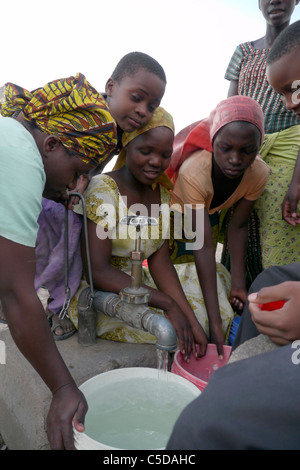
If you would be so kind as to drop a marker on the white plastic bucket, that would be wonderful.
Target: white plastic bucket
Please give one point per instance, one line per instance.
(133, 383)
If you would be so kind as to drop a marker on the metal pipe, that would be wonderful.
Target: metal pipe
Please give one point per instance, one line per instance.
(86, 312)
(138, 316)
(86, 319)
(162, 329)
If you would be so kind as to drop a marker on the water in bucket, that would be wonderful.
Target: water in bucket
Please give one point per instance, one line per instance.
(138, 409)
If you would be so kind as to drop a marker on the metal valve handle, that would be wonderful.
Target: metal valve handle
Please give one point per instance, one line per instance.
(138, 220)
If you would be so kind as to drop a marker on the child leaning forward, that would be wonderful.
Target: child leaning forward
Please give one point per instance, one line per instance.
(216, 165)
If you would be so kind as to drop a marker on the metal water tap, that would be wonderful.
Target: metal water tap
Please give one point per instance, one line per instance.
(131, 304)
(136, 293)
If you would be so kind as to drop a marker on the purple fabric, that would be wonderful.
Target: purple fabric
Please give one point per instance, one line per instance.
(50, 252)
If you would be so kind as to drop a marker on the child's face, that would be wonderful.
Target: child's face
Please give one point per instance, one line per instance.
(133, 100)
(149, 154)
(235, 148)
(283, 76)
(277, 12)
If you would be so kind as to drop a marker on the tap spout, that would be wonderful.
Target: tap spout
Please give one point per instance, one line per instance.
(138, 316)
(162, 329)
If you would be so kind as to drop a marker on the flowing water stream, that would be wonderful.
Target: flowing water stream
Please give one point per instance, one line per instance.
(162, 360)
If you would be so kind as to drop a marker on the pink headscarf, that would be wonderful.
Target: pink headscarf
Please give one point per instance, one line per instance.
(200, 135)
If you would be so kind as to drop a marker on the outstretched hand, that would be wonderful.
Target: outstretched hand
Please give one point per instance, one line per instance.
(200, 340)
(238, 298)
(70, 202)
(183, 330)
(189, 336)
(289, 205)
(217, 338)
(68, 406)
(82, 184)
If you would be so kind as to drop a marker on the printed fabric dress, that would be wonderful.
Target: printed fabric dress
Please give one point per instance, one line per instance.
(105, 206)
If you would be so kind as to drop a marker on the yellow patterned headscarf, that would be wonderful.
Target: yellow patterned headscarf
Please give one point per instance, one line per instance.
(69, 108)
(160, 118)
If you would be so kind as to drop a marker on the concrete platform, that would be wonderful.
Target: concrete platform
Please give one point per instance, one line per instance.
(25, 399)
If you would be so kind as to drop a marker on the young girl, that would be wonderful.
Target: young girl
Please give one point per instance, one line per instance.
(216, 166)
(148, 153)
(132, 93)
(279, 234)
(46, 147)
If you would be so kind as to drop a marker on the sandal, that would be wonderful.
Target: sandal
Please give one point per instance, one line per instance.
(62, 324)
(56, 322)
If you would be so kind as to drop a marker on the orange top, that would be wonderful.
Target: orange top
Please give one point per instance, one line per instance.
(194, 184)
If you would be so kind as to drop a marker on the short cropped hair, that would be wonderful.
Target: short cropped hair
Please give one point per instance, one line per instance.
(287, 40)
(132, 62)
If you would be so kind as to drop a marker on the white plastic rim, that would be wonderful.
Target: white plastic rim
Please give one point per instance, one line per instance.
(82, 440)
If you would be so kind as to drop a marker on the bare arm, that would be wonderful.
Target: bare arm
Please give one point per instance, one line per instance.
(233, 88)
(30, 330)
(206, 269)
(167, 281)
(237, 240)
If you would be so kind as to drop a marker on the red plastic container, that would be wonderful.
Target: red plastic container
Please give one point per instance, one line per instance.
(272, 305)
(199, 371)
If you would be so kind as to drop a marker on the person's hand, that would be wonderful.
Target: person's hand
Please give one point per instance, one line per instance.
(81, 186)
(183, 330)
(200, 340)
(289, 205)
(238, 298)
(70, 202)
(68, 406)
(216, 337)
(282, 325)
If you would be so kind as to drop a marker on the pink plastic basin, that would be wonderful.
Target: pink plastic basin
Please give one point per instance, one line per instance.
(199, 371)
